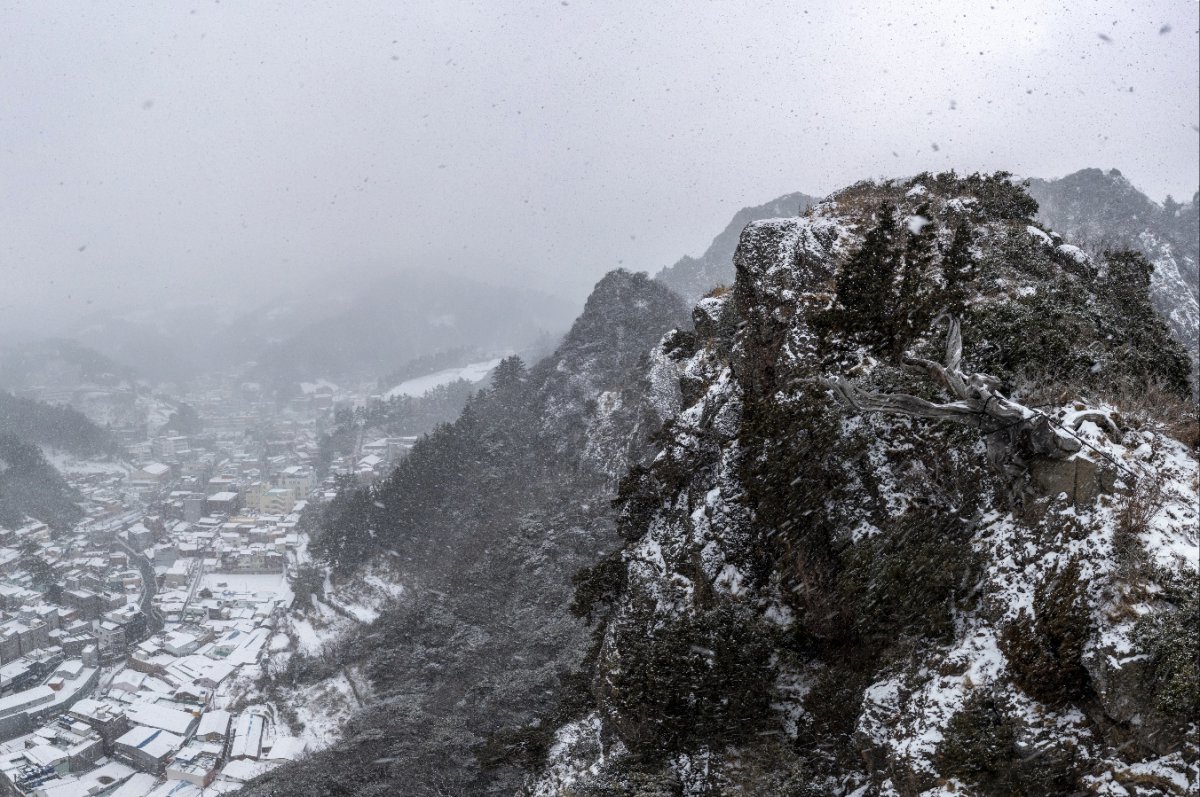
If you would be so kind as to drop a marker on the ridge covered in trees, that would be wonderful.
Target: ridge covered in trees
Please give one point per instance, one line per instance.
(55, 426)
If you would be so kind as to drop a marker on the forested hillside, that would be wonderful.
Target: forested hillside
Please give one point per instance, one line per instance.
(403, 416)
(55, 426)
(31, 487)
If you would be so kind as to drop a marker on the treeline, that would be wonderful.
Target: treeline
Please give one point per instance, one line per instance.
(399, 416)
(60, 427)
(30, 486)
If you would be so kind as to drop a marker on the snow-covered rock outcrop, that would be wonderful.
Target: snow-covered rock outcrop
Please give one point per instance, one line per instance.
(817, 601)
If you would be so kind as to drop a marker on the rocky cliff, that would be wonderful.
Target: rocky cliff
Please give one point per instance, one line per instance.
(693, 277)
(814, 598)
(1095, 210)
(1103, 210)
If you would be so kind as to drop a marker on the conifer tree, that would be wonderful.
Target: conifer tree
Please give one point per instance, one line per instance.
(509, 374)
(864, 284)
(958, 266)
(911, 308)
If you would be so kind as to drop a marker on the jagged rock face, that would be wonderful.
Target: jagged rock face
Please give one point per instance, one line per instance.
(1101, 210)
(692, 277)
(592, 387)
(816, 602)
(1093, 209)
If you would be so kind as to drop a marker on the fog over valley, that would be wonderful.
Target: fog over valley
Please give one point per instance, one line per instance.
(567, 398)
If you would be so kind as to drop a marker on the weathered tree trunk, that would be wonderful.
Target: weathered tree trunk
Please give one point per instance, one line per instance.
(1015, 434)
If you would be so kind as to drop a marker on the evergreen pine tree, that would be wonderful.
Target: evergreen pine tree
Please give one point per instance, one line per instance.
(509, 374)
(912, 307)
(957, 270)
(864, 284)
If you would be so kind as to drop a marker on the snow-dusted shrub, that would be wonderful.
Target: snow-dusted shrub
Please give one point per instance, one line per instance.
(1153, 405)
(907, 579)
(674, 682)
(1044, 648)
(982, 746)
(1172, 639)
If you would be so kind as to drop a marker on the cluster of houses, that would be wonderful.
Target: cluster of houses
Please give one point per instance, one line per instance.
(375, 459)
(128, 645)
(117, 662)
(123, 639)
(189, 494)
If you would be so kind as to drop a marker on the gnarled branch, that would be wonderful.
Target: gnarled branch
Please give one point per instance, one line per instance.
(1014, 431)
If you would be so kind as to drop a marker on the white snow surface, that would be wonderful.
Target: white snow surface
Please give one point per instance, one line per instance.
(419, 386)
(65, 462)
(308, 388)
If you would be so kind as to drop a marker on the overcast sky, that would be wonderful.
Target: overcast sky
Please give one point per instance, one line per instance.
(174, 151)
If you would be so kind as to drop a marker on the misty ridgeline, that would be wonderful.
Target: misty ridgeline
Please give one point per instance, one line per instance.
(887, 493)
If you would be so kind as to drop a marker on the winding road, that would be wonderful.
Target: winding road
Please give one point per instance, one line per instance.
(154, 620)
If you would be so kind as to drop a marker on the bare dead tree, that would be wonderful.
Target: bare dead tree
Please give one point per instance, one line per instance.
(1015, 433)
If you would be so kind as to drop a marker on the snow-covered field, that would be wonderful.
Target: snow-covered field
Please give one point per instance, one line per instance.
(324, 708)
(275, 583)
(69, 463)
(421, 385)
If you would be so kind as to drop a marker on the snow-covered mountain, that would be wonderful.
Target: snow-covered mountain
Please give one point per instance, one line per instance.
(362, 327)
(807, 584)
(1103, 210)
(395, 319)
(816, 597)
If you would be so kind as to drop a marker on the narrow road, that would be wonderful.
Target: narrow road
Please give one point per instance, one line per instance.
(154, 621)
(195, 583)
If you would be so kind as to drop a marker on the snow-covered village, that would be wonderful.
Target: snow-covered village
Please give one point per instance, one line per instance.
(135, 644)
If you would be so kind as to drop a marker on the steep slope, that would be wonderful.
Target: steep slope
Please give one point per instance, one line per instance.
(31, 487)
(484, 525)
(817, 599)
(55, 426)
(1103, 210)
(59, 363)
(693, 277)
